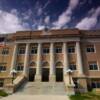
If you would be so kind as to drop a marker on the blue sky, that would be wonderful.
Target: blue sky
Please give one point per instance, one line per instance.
(16, 15)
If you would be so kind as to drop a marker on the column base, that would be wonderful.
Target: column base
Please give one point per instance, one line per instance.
(52, 78)
(37, 78)
(82, 85)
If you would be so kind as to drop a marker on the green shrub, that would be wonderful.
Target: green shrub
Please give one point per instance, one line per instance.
(3, 93)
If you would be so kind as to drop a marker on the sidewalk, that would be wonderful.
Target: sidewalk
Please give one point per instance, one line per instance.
(36, 97)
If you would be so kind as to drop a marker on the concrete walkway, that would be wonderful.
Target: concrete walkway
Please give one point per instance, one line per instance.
(36, 97)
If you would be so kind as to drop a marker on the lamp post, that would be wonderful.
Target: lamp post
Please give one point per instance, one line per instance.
(69, 71)
(13, 73)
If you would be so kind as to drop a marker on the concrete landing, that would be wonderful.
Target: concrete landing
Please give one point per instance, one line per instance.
(35, 97)
(42, 88)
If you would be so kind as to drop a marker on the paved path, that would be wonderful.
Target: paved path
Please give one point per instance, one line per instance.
(35, 97)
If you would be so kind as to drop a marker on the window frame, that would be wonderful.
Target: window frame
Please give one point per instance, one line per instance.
(3, 67)
(5, 51)
(71, 48)
(20, 66)
(91, 47)
(34, 49)
(20, 48)
(46, 49)
(92, 64)
(73, 64)
(57, 49)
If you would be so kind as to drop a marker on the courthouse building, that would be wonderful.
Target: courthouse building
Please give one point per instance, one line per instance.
(71, 56)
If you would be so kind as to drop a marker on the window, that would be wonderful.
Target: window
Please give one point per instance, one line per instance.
(72, 66)
(20, 67)
(2, 68)
(58, 50)
(21, 50)
(33, 50)
(1, 83)
(45, 50)
(90, 48)
(95, 84)
(71, 49)
(5, 51)
(93, 66)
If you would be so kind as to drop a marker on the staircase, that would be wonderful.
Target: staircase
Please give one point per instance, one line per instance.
(42, 88)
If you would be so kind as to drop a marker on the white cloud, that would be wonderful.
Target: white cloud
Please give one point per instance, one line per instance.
(10, 22)
(47, 19)
(65, 17)
(89, 22)
(41, 27)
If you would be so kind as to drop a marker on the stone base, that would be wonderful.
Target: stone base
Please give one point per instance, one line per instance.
(52, 78)
(9, 88)
(82, 85)
(70, 90)
(37, 78)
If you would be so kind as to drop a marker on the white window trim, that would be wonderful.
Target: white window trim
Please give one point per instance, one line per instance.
(98, 69)
(91, 52)
(73, 52)
(57, 52)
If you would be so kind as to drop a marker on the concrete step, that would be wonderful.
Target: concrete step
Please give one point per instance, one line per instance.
(33, 88)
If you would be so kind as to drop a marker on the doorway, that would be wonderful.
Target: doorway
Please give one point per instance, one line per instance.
(32, 72)
(59, 74)
(45, 74)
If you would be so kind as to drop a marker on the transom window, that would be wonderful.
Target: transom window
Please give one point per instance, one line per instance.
(72, 66)
(71, 49)
(2, 68)
(5, 51)
(19, 67)
(45, 50)
(90, 48)
(58, 50)
(93, 66)
(33, 50)
(21, 50)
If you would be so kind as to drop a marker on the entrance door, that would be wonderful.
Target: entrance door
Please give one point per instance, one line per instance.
(32, 72)
(59, 74)
(45, 74)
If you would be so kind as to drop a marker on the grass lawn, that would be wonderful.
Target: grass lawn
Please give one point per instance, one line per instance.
(3, 94)
(86, 96)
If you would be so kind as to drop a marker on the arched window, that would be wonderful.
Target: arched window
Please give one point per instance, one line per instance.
(59, 64)
(45, 64)
(32, 64)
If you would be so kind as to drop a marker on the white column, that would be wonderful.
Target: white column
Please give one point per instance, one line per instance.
(79, 58)
(65, 53)
(14, 57)
(38, 68)
(52, 63)
(26, 60)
